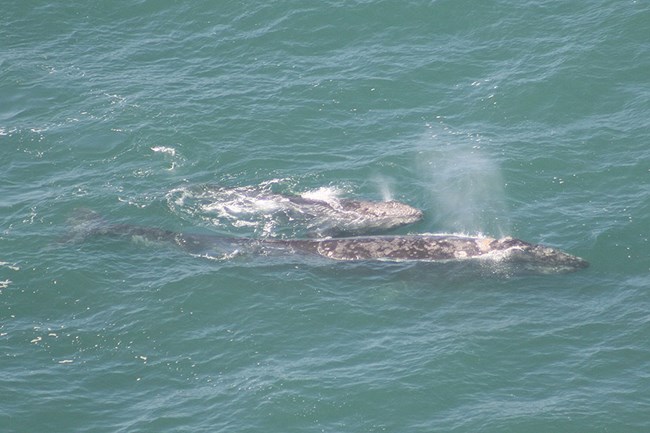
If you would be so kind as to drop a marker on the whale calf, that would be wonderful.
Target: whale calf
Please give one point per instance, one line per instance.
(316, 212)
(406, 248)
(355, 216)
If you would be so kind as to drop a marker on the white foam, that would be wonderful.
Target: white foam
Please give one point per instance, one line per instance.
(164, 149)
(10, 266)
(327, 194)
(240, 205)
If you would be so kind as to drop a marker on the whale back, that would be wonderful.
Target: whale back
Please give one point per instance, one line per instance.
(443, 248)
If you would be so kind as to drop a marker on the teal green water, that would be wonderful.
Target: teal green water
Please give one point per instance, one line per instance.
(525, 118)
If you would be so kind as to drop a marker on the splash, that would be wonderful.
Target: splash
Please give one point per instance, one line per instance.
(328, 194)
(466, 187)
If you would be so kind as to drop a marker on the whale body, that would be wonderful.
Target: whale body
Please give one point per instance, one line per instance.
(407, 248)
(348, 215)
(442, 248)
(321, 214)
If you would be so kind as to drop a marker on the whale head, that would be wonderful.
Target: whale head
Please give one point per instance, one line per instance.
(380, 214)
(539, 258)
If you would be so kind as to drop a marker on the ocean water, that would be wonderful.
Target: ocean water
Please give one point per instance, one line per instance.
(522, 118)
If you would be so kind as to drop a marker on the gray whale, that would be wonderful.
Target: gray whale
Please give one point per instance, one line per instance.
(358, 216)
(322, 215)
(407, 248)
(443, 248)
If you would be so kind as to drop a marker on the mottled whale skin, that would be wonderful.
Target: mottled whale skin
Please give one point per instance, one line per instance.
(441, 248)
(348, 215)
(408, 248)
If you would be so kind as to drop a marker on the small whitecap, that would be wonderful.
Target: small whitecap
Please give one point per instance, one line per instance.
(164, 149)
(13, 267)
